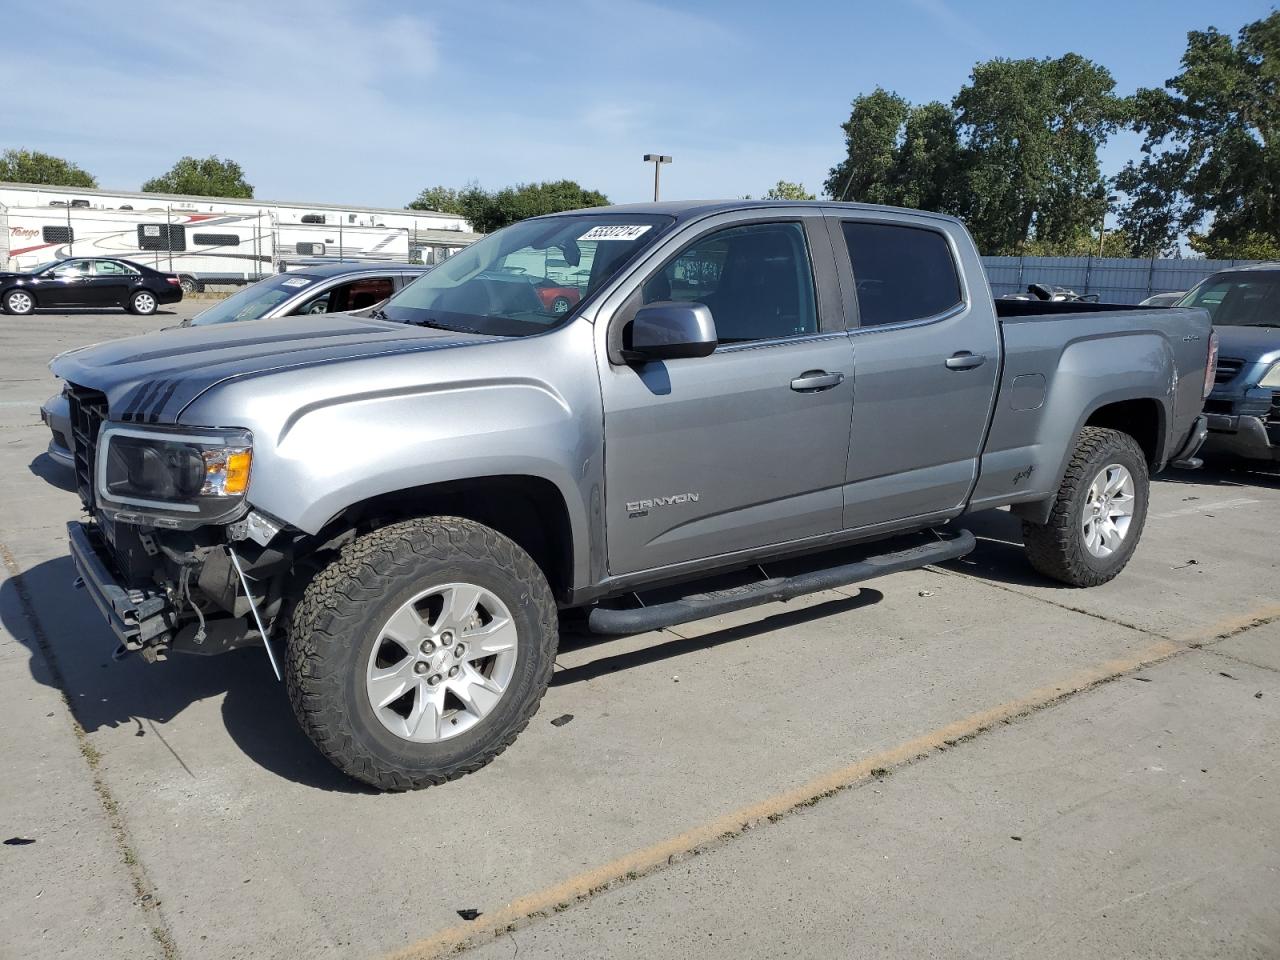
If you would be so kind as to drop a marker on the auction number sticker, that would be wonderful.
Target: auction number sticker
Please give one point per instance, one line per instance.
(625, 232)
(296, 282)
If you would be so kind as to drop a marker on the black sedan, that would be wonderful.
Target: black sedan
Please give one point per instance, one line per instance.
(89, 282)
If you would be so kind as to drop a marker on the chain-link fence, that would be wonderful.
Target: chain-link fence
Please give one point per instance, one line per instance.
(1115, 280)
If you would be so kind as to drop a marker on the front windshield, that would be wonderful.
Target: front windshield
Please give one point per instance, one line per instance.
(1238, 299)
(528, 277)
(254, 301)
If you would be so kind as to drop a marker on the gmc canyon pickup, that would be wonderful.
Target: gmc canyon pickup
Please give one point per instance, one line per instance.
(745, 402)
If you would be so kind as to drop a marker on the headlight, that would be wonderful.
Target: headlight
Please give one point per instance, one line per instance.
(173, 477)
(1271, 378)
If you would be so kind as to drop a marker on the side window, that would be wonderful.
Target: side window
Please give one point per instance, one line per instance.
(355, 295)
(901, 273)
(756, 279)
(109, 268)
(72, 268)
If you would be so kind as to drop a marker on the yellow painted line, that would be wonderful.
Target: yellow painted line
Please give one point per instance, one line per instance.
(648, 859)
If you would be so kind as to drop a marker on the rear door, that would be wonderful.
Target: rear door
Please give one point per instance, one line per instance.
(926, 357)
(747, 447)
(110, 282)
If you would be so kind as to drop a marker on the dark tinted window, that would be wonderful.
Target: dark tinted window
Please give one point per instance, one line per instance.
(902, 273)
(57, 234)
(1244, 299)
(310, 249)
(313, 218)
(162, 236)
(215, 239)
(756, 279)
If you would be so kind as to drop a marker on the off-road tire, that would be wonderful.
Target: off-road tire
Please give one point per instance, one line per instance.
(1057, 549)
(342, 610)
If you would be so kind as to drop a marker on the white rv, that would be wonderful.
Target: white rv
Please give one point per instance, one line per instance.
(211, 239)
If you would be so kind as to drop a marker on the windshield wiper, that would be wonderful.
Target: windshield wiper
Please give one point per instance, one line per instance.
(437, 325)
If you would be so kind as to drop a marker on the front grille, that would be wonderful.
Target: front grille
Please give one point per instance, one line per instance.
(1273, 415)
(1228, 369)
(88, 412)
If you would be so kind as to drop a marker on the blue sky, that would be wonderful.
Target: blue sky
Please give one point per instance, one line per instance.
(367, 102)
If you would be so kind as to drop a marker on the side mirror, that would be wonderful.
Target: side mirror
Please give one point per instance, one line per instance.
(670, 331)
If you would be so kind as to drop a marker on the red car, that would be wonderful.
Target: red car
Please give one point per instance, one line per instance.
(557, 299)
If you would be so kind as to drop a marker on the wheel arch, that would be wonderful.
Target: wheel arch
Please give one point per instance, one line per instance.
(530, 510)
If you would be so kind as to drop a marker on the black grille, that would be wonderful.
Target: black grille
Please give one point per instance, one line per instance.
(1273, 415)
(1228, 369)
(1218, 406)
(88, 411)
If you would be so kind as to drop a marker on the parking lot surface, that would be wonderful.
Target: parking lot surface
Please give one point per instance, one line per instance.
(962, 761)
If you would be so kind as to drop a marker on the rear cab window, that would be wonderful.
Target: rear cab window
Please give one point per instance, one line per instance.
(901, 273)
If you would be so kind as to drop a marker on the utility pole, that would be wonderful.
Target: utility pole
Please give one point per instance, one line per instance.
(1102, 224)
(657, 160)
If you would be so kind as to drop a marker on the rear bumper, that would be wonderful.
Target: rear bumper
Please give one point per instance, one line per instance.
(1186, 457)
(1241, 437)
(135, 615)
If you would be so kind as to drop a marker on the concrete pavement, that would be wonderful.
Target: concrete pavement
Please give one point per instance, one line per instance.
(179, 812)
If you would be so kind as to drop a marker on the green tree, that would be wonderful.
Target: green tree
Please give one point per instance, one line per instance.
(898, 154)
(1212, 145)
(438, 199)
(204, 177)
(871, 136)
(786, 190)
(1029, 132)
(31, 166)
(487, 211)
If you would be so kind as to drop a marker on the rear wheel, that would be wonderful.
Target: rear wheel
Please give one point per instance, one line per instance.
(190, 285)
(421, 652)
(19, 302)
(143, 303)
(1098, 513)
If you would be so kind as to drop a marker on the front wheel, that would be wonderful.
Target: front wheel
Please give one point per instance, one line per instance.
(142, 303)
(1098, 513)
(421, 652)
(19, 302)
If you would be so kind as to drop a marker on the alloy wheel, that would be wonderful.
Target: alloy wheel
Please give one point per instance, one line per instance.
(1108, 510)
(442, 662)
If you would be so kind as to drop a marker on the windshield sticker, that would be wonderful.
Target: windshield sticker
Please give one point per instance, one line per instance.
(628, 232)
(295, 282)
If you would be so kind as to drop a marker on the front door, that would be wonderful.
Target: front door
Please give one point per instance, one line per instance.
(926, 356)
(746, 447)
(66, 285)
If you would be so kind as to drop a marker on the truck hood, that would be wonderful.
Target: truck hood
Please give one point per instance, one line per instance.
(152, 378)
(1247, 343)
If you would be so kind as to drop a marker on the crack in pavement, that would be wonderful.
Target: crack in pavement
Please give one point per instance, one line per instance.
(145, 894)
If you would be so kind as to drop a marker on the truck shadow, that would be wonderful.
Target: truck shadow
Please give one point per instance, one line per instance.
(574, 638)
(104, 693)
(1000, 555)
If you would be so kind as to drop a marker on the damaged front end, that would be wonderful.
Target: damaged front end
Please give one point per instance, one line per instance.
(172, 555)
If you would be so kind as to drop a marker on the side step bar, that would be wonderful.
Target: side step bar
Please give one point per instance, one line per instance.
(699, 605)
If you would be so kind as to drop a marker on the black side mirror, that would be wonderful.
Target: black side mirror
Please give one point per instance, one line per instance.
(670, 331)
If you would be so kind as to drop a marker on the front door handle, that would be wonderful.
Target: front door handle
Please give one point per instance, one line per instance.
(964, 360)
(811, 381)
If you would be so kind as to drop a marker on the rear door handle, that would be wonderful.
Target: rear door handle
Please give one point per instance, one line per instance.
(964, 360)
(811, 381)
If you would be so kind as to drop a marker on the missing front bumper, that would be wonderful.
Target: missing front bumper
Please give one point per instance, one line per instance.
(142, 618)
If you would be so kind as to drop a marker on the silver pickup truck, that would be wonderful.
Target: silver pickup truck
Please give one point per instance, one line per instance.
(741, 402)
